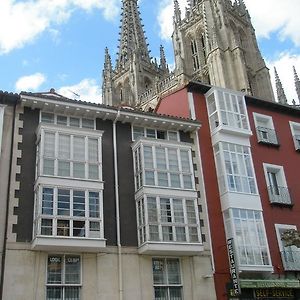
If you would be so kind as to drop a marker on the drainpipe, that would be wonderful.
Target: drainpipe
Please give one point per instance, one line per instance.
(7, 202)
(117, 206)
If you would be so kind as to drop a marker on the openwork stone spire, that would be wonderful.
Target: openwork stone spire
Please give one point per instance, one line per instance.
(107, 62)
(280, 91)
(163, 61)
(297, 83)
(132, 38)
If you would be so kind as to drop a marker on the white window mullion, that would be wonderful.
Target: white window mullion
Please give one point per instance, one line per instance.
(186, 222)
(174, 236)
(100, 162)
(56, 138)
(160, 234)
(154, 165)
(71, 217)
(86, 158)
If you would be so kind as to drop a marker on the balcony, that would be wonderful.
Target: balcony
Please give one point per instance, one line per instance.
(291, 260)
(267, 136)
(279, 195)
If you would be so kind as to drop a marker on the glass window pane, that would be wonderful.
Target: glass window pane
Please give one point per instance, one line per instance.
(94, 230)
(63, 202)
(47, 117)
(160, 158)
(72, 271)
(55, 269)
(152, 209)
(176, 293)
(159, 271)
(149, 177)
(172, 135)
(79, 148)
(162, 179)
(93, 171)
(79, 170)
(74, 122)
(175, 180)
(173, 271)
(185, 160)
(161, 293)
(46, 227)
(47, 201)
(151, 133)
(63, 168)
(79, 228)
(94, 207)
(63, 227)
(48, 168)
(187, 181)
(165, 210)
(54, 293)
(178, 211)
(72, 293)
(148, 157)
(167, 232)
(88, 123)
(79, 203)
(49, 144)
(93, 150)
(137, 132)
(64, 146)
(62, 120)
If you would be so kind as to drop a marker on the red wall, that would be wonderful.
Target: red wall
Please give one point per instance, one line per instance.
(285, 156)
(177, 105)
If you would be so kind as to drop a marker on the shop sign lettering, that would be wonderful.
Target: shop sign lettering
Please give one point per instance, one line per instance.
(233, 268)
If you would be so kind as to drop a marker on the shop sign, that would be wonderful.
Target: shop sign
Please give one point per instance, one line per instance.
(274, 293)
(233, 268)
(276, 283)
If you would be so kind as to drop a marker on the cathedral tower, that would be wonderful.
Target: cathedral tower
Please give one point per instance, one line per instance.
(215, 43)
(135, 71)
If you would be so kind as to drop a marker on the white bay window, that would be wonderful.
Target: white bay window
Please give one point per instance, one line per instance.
(164, 166)
(234, 168)
(66, 153)
(247, 229)
(68, 189)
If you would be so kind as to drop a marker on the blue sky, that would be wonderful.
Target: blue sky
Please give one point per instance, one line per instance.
(60, 43)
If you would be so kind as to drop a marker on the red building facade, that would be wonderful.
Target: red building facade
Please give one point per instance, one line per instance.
(250, 158)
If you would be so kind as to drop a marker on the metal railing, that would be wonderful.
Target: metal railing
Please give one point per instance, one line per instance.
(279, 195)
(291, 260)
(266, 135)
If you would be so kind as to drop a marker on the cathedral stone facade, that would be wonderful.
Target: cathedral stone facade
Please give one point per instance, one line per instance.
(214, 43)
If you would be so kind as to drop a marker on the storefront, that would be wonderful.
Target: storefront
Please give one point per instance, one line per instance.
(266, 290)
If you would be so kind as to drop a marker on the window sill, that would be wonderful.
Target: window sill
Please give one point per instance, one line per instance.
(173, 248)
(256, 268)
(45, 243)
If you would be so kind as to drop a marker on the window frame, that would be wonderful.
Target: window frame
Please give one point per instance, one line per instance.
(155, 133)
(68, 123)
(63, 285)
(220, 160)
(55, 216)
(234, 110)
(295, 128)
(281, 187)
(230, 228)
(58, 130)
(140, 169)
(168, 285)
(143, 229)
(271, 137)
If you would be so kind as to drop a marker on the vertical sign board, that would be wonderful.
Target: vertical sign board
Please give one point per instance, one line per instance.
(233, 268)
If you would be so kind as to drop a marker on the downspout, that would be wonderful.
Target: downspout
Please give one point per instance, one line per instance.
(117, 206)
(7, 202)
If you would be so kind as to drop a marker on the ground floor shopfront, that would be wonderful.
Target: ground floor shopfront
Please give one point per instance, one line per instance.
(267, 290)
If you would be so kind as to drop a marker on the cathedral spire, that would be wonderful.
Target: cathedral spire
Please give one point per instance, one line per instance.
(107, 62)
(163, 61)
(280, 91)
(297, 83)
(177, 12)
(132, 37)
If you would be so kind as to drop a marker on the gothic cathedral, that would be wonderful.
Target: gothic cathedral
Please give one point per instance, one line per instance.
(214, 43)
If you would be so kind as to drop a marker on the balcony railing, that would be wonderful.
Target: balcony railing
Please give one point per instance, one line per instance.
(297, 142)
(266, 135)
(279, 195)
(291, 260)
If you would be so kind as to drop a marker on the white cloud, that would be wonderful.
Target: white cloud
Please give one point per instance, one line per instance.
(284, 68)
(30, 83)
(21, 22)
(86, 90)
(276, 15)
(267, 16)
(165, 17)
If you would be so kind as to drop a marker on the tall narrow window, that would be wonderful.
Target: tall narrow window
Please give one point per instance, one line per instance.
(167, 279)
(63, 277)
(196, 64)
